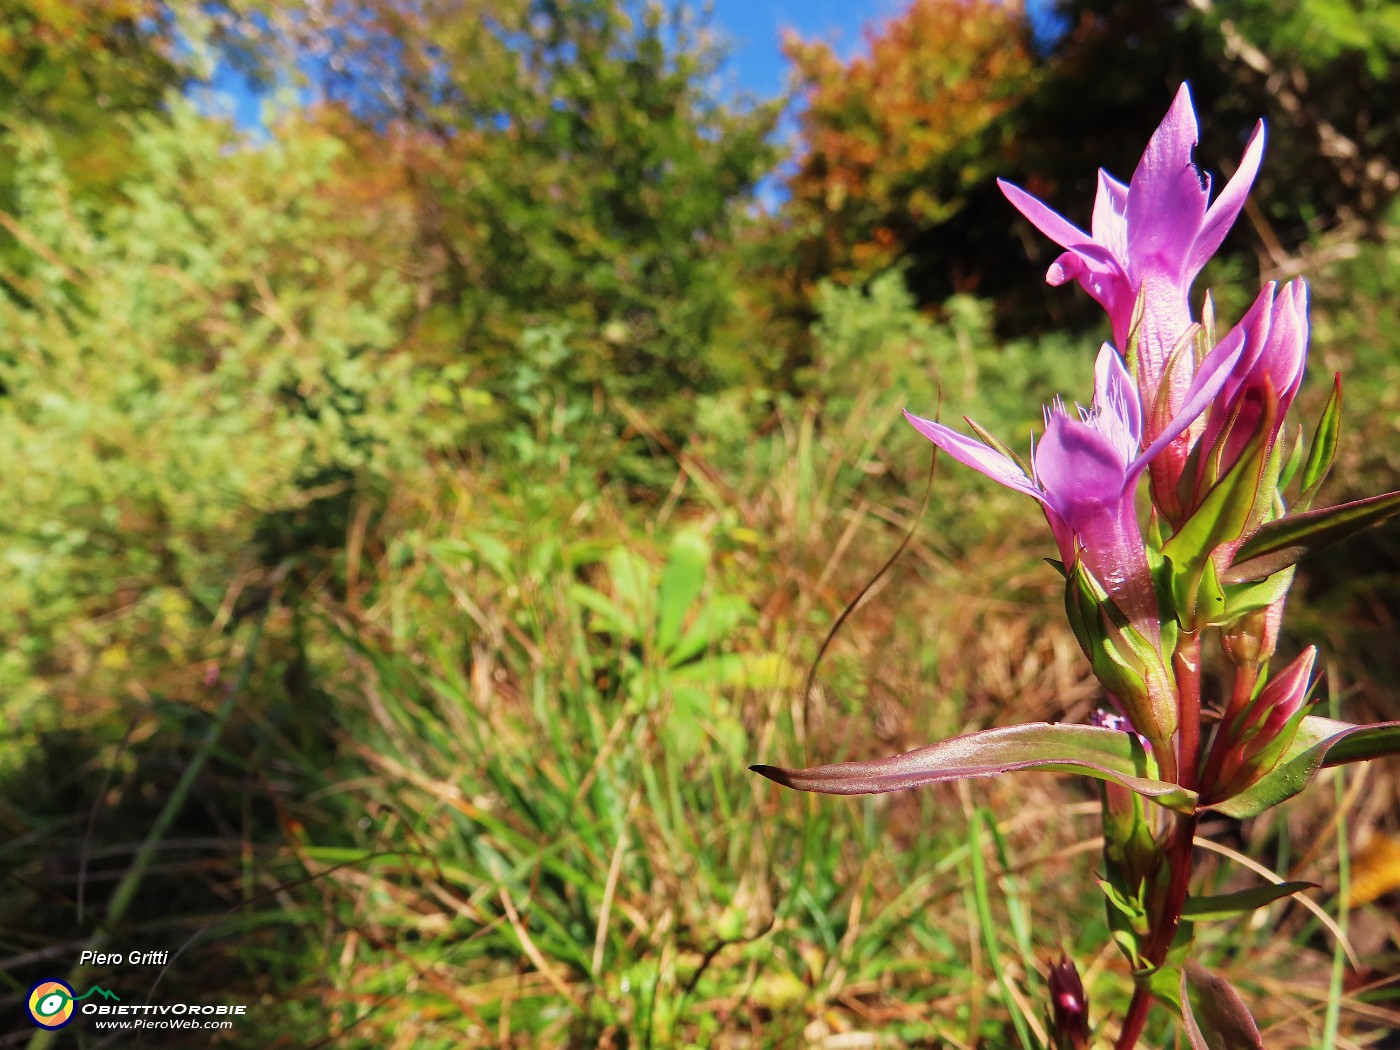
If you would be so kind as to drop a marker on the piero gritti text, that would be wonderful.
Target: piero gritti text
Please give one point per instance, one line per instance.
(134, 958)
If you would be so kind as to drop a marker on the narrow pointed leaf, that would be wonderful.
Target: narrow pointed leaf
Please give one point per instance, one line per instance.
(1228, 905)
(1363, 743)
(1222, 516)
(1319, 742)
(713, 623)
(1208, 323)
(1286, 541)
(992, 441)
(1216, 1017)
(1324, 446)
(1105, 754)
(632, 582)
(1292, 461)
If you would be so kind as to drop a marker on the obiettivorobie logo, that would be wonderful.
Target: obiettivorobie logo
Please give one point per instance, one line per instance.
(50, 1002)
(54, 1004)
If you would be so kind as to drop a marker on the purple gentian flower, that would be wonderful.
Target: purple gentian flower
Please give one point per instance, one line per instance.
(1085, 472)
(1273, 337)
(1151, 236)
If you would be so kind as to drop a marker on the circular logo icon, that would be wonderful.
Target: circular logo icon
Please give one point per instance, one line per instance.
(51, 1004)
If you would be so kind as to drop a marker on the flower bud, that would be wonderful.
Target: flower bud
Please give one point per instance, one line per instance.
(1069, 1007)
(1260, 736)
(1251, 640)
(1125, 662)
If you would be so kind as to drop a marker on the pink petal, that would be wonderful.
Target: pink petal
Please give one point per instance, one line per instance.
(1286, 691)
(1114, 391)
(1044, 218)
(974, 454)
(1214, 372)
(1110, 222)
(1226, 208)
(1291, 340)
(1102, 276)
(1167, 195)
(1076, 465)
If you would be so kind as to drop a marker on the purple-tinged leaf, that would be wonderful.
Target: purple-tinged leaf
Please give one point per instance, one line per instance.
(1216, 1017)
(1285, 541)
(1319, 742)
(1053, 747)
(1228, 905)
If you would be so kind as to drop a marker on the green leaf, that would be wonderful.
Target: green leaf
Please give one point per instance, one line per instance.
(608, 618)
(714, 622)
(1228, 905)
(681, 583)
(1292, 462)
(1105, 754)
(717, 672)
(1127, 664)
(1319, 742)
(1132, 910)
(1277, 544)
(1221, 517)
(1324, 446)
(1165, 980)
(1216, 1017)
(631, 583)
(1245, 598)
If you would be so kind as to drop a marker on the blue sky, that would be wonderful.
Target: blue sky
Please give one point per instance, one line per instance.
(755, 27)
(752, 28)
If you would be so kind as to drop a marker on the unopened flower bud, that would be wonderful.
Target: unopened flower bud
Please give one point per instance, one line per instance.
(1069, 1007)
(1126, 663)
(1263, 733)
(1251, 640)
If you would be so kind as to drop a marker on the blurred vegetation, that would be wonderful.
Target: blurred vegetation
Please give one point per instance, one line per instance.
(420, 509)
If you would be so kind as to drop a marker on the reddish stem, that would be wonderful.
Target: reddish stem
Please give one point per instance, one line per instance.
(1136, 1018)
(1186, 662)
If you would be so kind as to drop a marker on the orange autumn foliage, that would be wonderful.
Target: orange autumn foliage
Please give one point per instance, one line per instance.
(893, 140)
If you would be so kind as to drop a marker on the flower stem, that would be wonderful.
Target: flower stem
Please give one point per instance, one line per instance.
(1186, 662)
(1136, 1018)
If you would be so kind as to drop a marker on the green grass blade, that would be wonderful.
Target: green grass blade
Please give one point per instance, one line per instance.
(981, 893)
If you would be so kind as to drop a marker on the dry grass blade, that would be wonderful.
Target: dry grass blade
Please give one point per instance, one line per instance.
(1311, 905)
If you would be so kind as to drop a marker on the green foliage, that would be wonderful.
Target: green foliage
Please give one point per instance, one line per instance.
(669, 644)
(197, 381)
(1320, 33)
(74, 67)
(589, 180)
(874, 354)
(457, 378)
(1354, 333)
